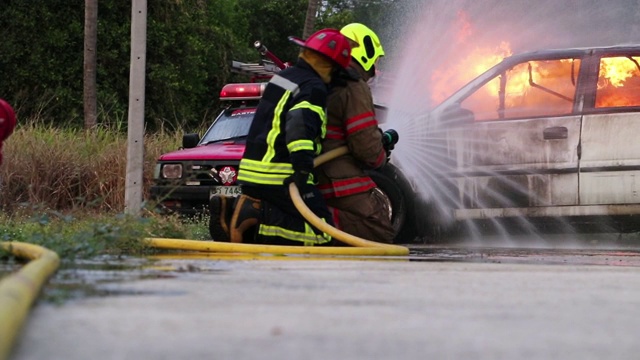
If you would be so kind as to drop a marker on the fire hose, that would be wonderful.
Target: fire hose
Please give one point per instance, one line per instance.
(19, 290)
(360, 246)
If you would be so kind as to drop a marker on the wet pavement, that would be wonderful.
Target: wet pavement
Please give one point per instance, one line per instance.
(604, 257)
(446, 301)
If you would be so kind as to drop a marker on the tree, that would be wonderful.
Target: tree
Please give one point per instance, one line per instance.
(90, 95)
(310, 20)
(273, 21)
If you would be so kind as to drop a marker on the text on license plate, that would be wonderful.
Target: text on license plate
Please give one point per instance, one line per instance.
(227, 190)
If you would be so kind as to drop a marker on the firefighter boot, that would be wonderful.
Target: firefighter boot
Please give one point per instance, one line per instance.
(246, 214)
(220, 211)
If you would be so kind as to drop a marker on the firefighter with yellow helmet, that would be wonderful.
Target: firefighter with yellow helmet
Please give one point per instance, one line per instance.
(284, 138)
(350, 193)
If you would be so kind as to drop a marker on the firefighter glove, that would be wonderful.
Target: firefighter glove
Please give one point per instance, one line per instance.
(300, 178)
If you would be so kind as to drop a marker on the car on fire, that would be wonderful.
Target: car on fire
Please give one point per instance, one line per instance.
(545, 134)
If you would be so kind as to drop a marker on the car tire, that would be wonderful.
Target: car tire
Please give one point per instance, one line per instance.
(395, 191)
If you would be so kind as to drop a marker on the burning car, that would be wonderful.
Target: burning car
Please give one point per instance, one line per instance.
(544, 134)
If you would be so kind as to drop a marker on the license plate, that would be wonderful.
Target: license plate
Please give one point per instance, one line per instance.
(227, 190)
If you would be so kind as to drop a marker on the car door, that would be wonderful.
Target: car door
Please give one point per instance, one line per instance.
(610, 158)
(516, 143)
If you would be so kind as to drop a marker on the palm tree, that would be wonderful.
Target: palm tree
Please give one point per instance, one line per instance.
(310, 20)
(90, 63)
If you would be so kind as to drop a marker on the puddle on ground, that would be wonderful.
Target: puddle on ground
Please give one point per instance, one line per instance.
(533, 256)
(96, 277)
(103, 276)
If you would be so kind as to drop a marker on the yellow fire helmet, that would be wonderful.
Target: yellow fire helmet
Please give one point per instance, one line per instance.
(369, 49)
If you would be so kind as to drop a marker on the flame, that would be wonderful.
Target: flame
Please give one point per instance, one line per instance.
(450, 78)
(615, 71)
(618, 82)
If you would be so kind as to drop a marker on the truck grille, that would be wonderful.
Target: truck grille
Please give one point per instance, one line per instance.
(210, 173)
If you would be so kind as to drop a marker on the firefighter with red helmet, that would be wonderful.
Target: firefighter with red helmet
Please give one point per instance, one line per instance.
(7, 122)
(350, 193)
(284, 138)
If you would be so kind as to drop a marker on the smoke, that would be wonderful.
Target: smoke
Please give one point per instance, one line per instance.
(424, 38)
(426, 35)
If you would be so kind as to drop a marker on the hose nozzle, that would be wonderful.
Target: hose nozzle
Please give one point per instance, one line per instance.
(390, 138)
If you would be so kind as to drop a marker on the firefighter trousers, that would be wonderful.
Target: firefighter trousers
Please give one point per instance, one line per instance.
(363, 215)
(282, 224)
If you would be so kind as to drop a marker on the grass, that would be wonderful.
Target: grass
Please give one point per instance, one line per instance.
(64, 189)
(67, 169)
(89, 236)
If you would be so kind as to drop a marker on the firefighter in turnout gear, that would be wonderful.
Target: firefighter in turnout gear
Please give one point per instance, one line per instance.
(351, 194)
(284, 138)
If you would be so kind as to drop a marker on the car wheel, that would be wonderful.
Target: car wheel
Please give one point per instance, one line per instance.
(394, 196)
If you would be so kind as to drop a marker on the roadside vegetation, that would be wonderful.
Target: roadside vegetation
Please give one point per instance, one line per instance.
(64, 189)
(62, 186)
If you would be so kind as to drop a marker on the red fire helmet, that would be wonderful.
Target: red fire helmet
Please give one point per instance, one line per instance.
(7, 119)
(328, 42)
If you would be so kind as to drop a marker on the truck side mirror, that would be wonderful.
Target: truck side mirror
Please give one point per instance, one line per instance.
(190, 140)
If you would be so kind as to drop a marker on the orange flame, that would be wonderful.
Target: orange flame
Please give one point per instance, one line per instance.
(618, 83)
(615, 71)
(450, 79)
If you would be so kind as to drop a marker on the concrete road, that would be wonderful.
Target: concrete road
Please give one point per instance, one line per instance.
(283, 308)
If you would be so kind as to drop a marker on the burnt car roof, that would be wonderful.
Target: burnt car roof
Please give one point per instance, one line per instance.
(570, 52)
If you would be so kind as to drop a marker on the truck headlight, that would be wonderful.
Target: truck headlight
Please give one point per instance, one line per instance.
(172, 171)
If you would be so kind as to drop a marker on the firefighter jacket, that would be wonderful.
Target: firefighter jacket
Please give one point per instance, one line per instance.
(351, 121)
(287, 129)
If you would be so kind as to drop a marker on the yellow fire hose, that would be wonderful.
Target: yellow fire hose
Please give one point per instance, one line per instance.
(19, 290)
(360, 246)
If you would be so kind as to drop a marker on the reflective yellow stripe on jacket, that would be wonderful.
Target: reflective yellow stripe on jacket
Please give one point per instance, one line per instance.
(309, 144)
(308, 238)
(275, 127)
(263, 172)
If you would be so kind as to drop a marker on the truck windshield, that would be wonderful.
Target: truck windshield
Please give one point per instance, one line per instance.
(231, 124)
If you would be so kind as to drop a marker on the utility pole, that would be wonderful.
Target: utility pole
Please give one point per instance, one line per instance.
(135, 134)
